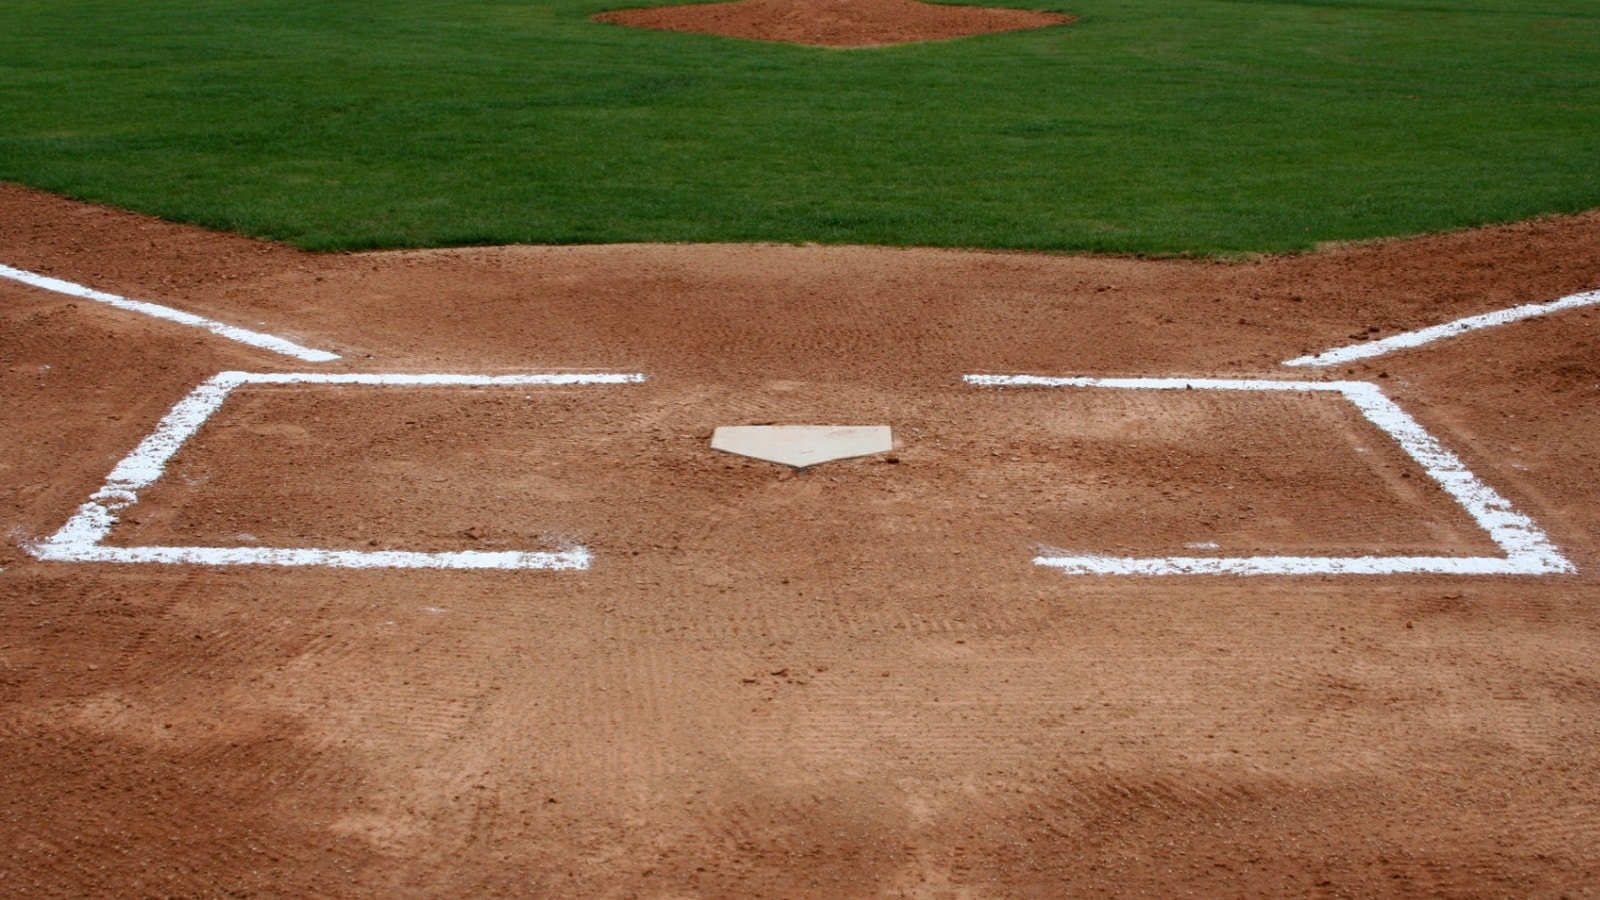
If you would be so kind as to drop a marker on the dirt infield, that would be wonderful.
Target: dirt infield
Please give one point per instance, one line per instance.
(848, 681)
(835, 23)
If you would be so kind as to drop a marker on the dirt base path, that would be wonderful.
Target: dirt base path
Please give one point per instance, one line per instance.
(846, 681)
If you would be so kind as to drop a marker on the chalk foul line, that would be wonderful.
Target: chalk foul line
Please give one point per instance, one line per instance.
(1408, 339)
(1527, 550)
(231, 332)
(82, 538)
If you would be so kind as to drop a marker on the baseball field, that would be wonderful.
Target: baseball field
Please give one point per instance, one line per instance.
(360, 364)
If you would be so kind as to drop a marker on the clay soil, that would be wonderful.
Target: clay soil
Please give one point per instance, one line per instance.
(844, 682)
(834, 23)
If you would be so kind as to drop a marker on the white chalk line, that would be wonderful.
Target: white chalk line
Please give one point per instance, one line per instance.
(231, 332)
(1527, 550)
(574, 559)
(82, 538)
(1417, 338)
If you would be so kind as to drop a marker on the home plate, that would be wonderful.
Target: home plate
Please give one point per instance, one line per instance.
(803, 445)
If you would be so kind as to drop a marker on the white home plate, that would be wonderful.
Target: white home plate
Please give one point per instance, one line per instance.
(803, 445)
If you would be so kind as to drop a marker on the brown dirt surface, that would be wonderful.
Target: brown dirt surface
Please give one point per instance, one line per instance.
(835, 23)
(844, 682)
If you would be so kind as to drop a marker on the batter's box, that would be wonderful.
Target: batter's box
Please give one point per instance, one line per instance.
(1527, 550)
(82, 539)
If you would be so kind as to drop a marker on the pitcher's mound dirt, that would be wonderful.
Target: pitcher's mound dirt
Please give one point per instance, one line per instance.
(835, 23)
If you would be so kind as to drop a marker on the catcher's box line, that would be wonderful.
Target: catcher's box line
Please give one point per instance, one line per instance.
(1527, 550)
(82, 538)
(1421, 336)
(231, 332)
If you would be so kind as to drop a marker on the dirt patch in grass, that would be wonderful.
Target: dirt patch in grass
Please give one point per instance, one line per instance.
(835, 23)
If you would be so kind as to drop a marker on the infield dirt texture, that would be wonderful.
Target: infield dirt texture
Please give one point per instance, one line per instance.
(414, 574)
(853, 680)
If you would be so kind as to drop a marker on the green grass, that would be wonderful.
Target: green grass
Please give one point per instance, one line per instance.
(1149, 126)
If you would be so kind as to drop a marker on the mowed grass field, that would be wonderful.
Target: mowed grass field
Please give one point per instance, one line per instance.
(1148, 126)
